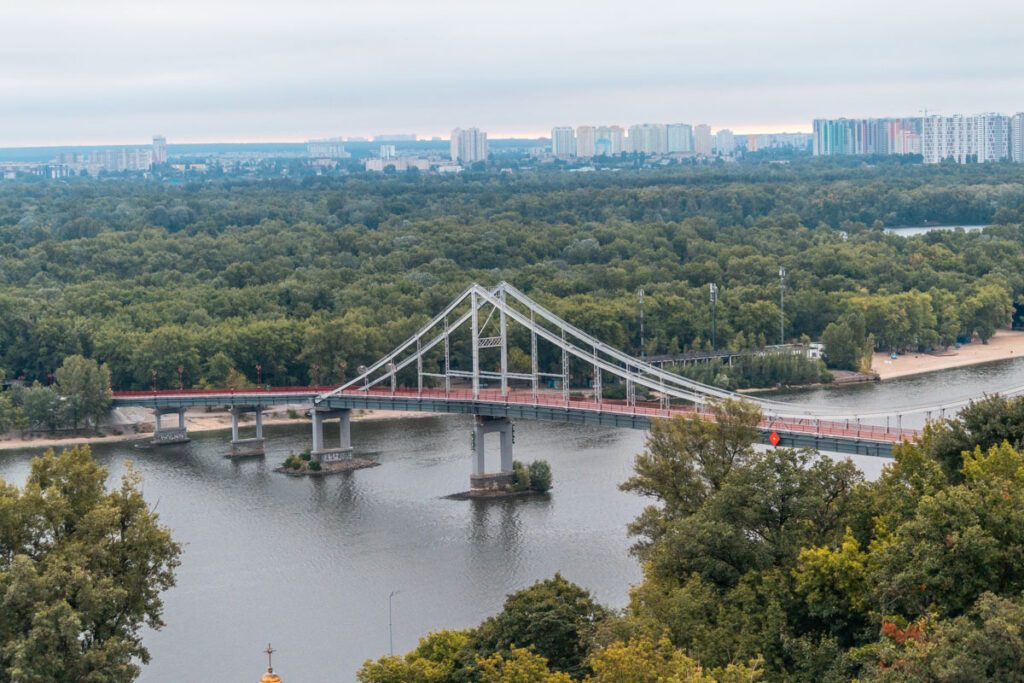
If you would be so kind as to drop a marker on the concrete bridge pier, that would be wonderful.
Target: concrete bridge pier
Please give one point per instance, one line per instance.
(321, 452)
(481, 479)
(241, 448)
(168, 434)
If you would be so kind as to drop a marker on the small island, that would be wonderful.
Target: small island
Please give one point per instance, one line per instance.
(524, 480)
(303, 465)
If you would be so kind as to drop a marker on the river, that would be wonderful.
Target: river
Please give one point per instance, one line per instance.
(308, 563)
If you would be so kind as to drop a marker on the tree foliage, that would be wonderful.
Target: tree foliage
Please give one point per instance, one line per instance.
(81, 573)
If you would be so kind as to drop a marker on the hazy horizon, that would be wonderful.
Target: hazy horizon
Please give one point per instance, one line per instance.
(116, 72)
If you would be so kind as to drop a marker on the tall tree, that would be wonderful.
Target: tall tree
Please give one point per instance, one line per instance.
(85, 387)
(81, 573)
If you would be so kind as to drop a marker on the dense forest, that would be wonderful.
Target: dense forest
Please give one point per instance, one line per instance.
(312, 277)
(781, 565)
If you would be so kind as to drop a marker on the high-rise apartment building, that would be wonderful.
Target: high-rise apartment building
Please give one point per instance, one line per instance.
(388, 152)
(702, 140)
(159, 150)
(725, 142)
(586, 141)
(648, 138)
(982, 138)
(563, 141)
(610, 141)
(468, 145)
(1017, 138)
(993, 135)
(680, 137)
(865, 136)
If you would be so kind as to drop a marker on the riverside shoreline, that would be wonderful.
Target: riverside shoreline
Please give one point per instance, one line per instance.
(1004, 345)
(136, 424)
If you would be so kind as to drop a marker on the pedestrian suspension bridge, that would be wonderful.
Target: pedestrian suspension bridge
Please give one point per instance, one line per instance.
(498, 355)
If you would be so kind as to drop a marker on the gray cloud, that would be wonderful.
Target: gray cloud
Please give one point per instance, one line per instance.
(114, 71)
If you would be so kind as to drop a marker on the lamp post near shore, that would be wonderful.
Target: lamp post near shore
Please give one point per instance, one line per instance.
(391, 635)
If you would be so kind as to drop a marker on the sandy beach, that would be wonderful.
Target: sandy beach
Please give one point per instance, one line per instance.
(1005, 344)
(134, 424)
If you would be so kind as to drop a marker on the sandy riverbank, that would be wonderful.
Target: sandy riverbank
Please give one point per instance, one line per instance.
(1005, 344)
(135, 424)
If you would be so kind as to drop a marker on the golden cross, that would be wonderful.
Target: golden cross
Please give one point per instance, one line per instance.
(270, 658)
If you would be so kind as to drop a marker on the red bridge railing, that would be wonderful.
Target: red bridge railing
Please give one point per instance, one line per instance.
(555, 399)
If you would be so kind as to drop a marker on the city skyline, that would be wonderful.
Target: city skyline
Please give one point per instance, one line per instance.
(109, 71)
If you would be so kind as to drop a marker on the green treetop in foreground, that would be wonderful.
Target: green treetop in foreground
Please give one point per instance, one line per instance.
(782, 565)
(81, 573)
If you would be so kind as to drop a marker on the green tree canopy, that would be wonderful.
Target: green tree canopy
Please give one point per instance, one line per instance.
(81, 573)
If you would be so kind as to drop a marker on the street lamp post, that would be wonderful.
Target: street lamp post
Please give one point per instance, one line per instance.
(714, 316)
(782, 305)
(391, 635)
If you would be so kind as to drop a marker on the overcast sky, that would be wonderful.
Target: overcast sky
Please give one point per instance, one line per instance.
(111, 71)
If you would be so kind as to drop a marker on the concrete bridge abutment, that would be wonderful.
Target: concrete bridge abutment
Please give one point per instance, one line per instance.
(252, 446)
(481, 479)
(165, 434)
(321, 451)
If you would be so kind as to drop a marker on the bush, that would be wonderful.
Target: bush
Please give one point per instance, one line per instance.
(520, 476)
(314, 466)
(293, 462)
(293, 414)
(306, 455)
(540, 475)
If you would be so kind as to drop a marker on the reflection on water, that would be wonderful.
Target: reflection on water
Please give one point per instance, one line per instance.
(308, 563)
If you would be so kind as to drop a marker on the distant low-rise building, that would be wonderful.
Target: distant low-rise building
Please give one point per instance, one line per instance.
(398, 163)
(331, 148)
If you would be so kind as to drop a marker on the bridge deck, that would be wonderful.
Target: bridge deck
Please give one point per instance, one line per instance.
(841, 437)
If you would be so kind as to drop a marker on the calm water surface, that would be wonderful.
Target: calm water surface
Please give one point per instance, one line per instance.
(308, 563)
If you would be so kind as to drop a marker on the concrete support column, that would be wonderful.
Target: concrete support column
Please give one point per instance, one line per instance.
(480, 479)
(479, 435)
(345, 430)
(318, 431)
(245, 447)
(165, 434)
(321, 452)
(506, 448)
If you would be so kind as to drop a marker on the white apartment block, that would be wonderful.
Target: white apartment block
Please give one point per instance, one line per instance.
(563, 141)
(703, 142)
(331, 148)
(982, 138)
(680, 137)
(648, 138)
(725, 142)
(586, 141)
(468, 145)
(1017, 138)
(610, 141)
(159, 150)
